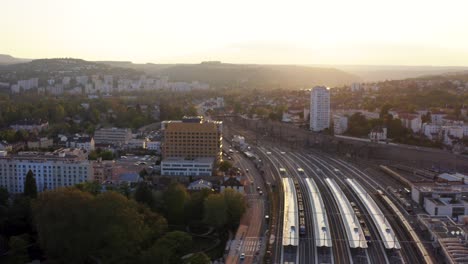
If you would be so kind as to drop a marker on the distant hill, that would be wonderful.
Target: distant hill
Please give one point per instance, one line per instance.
(375, 73)
(47, 68)
(249, 75)
(8, 59)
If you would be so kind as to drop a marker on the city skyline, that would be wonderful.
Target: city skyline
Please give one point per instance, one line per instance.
(304, 32)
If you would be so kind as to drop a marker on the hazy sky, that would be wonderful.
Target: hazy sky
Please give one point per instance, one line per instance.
(403, 32)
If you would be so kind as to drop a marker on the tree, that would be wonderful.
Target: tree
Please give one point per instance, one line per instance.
(93, 188)
(3, 196)
(194, 209)
(199, 258)
(175, 199)
(168, 249)
(215, 211)
(224, 166)
(144, 195)
(18, 252)
(235, 206)
(107, 227)
(30, 187)
(358, 125)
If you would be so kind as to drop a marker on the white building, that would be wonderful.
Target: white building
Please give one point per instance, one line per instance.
(181, 167)
(319, 108)
(136, 143)
(86, 143)
(431, 131)
(437, 118)
(340, 124)
(378, 134)
(154, 145)
(355, 87)
(411, 121)
(51, 169)
(199, 185)
(115, 136)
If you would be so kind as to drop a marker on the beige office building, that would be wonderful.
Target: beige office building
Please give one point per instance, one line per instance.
(192, 137)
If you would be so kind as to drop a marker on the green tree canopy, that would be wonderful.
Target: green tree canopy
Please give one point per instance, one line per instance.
(107, 227)
(215, 211)
(175, 199)
(144, 195)
(30, 187)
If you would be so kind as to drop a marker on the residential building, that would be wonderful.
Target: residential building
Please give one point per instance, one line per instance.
(340, 124)
(437, 118)
(86, 143)
(40, 143)
(319, 108)
(154, 145)
(378, 134)
(355, 87)
(199, 185)
(103, 170)
(51, 170)
(233, 182)
(5, 146)
(174, 166)
(411, 121)
(30, 125)
(136, 143)
(114, 136)
(431, 131)
(192, 137)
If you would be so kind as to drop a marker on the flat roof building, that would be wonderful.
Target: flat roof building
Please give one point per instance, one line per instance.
(64, 167)
(175, 166)
(191, 138)
(319, 108)
(114, 136)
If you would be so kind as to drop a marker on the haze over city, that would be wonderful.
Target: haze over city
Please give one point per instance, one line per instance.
(264, 32)
(233, 132)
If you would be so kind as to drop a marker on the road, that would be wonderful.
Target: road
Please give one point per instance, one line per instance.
(250, 236)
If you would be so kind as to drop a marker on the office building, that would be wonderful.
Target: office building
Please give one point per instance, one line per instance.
(319, 108)
(114, 136)
(192, 137)
(51, 170)
(182, 167)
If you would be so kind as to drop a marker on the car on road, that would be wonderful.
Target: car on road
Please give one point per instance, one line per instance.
(282, 152)
(336, 170)
(242, 256)
(268, 153)
(258, 188)
(260, 192)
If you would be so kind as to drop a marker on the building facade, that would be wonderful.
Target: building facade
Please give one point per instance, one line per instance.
(182, 167)
(191, 138)
(114, 136)
(319, 108)
(51, 169)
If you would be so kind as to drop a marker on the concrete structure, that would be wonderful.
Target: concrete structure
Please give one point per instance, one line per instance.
(174, 166)
(319, 108)
(437, 199)
(355, 87)
(192, 137)
(290, 214)
(386, 232)
(114, 136)
(103, 171)
(354, 232)
(447, 237)
(321, 226)
(136, 143)
(340, 124)
(437, 118)
(51, 170)
(199, 185)
(431, 131)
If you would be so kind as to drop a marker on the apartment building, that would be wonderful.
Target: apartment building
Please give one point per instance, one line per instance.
(51, 170)
(192, 137)
(319, 108)
(114, 136)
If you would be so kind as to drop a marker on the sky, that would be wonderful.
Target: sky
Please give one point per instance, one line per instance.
(367, 32)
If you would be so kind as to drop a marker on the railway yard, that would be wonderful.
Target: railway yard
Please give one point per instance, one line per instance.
(328, 209)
